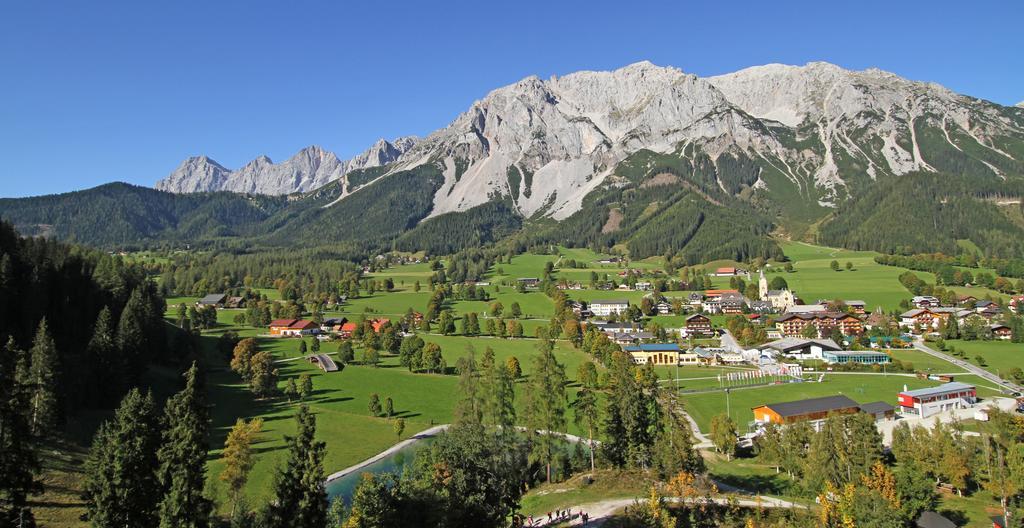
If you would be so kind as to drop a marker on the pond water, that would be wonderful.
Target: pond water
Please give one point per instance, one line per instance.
(393, 463)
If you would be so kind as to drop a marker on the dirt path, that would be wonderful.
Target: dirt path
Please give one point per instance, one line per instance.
(601, 511)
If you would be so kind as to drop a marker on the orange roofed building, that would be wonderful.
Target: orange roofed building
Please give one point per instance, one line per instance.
(292, 327)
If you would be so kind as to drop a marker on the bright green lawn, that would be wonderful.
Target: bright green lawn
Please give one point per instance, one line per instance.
(860, 388)
(1000, 356)
(923, 362)
(341, 399)
(869, 281)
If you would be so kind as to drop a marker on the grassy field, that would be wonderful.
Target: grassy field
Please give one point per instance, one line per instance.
(813, 279)
(341, 400)
(1000, 356)
(860, 388)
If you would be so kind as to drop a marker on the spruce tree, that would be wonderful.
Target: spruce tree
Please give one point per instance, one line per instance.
(182, 456)
(42, 381)
(103, 353)
(300, 500)
(121, 488)
(131, 339)
(18, 462)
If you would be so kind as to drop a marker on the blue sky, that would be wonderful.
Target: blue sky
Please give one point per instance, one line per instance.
(92, 92)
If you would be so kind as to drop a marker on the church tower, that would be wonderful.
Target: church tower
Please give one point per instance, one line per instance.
(762, 286)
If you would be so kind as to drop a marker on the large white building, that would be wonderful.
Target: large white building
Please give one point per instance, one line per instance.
(606, 307)
(946, 397)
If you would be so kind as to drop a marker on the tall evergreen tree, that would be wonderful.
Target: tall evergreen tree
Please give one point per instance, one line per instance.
(41, 382)
(121, 488)
(131, 338)
(300, 500)
(18, 462)
(182, 456)
(102, 351)
(545, 406)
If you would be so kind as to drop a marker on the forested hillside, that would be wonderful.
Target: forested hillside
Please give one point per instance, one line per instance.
(119, 215)
(923, 212)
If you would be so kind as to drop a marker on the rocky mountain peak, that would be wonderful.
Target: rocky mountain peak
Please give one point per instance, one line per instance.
(310, 168)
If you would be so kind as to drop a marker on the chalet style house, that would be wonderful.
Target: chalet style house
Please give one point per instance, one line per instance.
(698, 325)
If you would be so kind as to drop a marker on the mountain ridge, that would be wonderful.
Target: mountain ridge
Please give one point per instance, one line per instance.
(687, 166)
(308, 169)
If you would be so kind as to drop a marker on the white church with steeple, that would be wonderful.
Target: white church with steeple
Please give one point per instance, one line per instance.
(780, 300)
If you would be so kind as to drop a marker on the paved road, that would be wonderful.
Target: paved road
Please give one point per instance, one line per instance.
(729, 343)
(973, 369)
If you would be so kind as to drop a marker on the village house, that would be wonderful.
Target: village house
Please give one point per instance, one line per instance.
(1015, 303)
(929, 319)
(643, 286)
(654, 353)
(234, 302)
(729, 272)
(216, 300)
(1001, 331)
(606, 307)
(528, 282)
(983, 305)
(695, 299)
(732, 303)
(856, 306)
(925, 301)
(333, 325)
(663, 307)
(697, 325)
(712, 305)
(347, 329)
(293, 327)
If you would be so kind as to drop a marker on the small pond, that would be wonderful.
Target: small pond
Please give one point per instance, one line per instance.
(393, 463)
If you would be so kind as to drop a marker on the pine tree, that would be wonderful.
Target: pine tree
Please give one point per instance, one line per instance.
(545, 408)
(18, 462)
(300, 500)
(41, 383)
(121, 487)
(182, 456)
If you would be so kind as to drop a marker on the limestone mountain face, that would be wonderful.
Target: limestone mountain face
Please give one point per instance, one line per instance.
(810, 136)
(818, 130)
(311, 168)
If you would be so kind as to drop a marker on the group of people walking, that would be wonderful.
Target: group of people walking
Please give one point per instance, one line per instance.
(557, 517)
